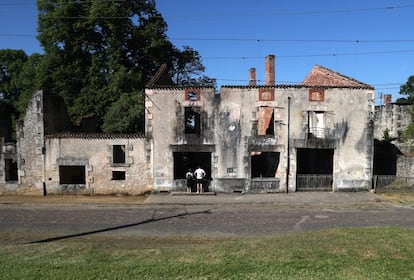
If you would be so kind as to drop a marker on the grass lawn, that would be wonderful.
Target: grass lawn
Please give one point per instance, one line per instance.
(352, 253)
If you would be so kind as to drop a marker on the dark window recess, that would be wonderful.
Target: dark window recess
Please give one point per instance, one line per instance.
(10, 168)
(73, 174)
(264, 164)
(118, 154)
(118, 175)
(192, 121)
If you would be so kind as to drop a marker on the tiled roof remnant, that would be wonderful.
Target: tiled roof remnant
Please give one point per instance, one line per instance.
(96, 135)
(322, 76)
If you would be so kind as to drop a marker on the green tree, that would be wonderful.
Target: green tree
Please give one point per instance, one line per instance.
(408, 90)
(11, 63)
(126, 114)
(188, 69)
(17, 83)
(99, 51)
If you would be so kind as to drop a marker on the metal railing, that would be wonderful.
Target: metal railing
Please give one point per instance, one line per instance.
(314, 182)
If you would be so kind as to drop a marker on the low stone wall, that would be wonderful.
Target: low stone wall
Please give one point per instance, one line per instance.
(405, 166)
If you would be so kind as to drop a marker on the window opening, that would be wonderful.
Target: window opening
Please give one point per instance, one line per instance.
(264, 164)
(118, 175)
(10, 168)
(118, 153)
(265, 124)
(192, 121)
(73, 174)
(316, 124)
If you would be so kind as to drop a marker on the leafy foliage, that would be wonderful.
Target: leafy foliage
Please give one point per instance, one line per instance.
(18, 80)
(126, 114)
(408, 90)
(97, 52)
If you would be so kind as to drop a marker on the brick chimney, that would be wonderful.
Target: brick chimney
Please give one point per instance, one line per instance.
(270, 70)
(252, 76)
(387, 99)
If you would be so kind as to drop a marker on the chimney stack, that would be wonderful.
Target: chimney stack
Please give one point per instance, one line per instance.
(270, 70)
(387, 99)
(252, 76)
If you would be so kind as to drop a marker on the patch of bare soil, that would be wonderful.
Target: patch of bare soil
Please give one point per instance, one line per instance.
(406, 198)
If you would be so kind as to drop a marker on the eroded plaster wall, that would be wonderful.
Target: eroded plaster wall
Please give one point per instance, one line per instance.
(30, 148)
(393, 118)
(95, 153)
(348, 124)
(165, 126)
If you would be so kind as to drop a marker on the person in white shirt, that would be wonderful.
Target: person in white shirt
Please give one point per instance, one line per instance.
(199, 174)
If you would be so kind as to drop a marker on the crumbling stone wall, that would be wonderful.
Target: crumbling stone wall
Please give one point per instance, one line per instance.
(392, 117)
(30, 148)
(94, 153)
(405, 166)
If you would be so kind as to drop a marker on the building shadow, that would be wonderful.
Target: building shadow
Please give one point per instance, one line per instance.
(147, 221)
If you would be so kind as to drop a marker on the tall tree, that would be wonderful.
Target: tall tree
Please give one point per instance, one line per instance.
(17, 83)
(408, 90)
(11, 63)
(97, 51)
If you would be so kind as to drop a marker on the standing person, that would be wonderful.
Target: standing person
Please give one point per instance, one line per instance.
(199, 173)
(189, 177)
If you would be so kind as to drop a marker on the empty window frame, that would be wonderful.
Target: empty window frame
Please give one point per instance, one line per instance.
(316, 124)
(10, 170)
(72, 174)
(265, 121)
(118, 175)
(264, 164)
(118, 154)
(192, 121)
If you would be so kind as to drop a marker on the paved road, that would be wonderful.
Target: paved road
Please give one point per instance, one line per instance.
(209, 216)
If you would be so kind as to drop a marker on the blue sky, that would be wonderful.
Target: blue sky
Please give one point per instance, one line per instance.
(369, 40)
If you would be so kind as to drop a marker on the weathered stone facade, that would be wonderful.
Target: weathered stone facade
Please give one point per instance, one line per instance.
(53, 162)
(392, 117)
(260, 138)
(248, 138)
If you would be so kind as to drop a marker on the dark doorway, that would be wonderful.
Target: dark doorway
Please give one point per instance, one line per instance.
(10, 170)
(183, 161)
(72, 174)
(314, 169)
(264, 164)
(315, 161)
(385, 158)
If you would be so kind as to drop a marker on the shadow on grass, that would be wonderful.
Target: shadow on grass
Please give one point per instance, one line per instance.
(151, 220)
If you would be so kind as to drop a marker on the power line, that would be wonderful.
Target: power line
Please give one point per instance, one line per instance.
(287, 40)
(298, 13)
(311, 55)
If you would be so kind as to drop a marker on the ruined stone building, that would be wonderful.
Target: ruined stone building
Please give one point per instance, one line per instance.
(248, 138)
(393, 155)
(393, 117)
